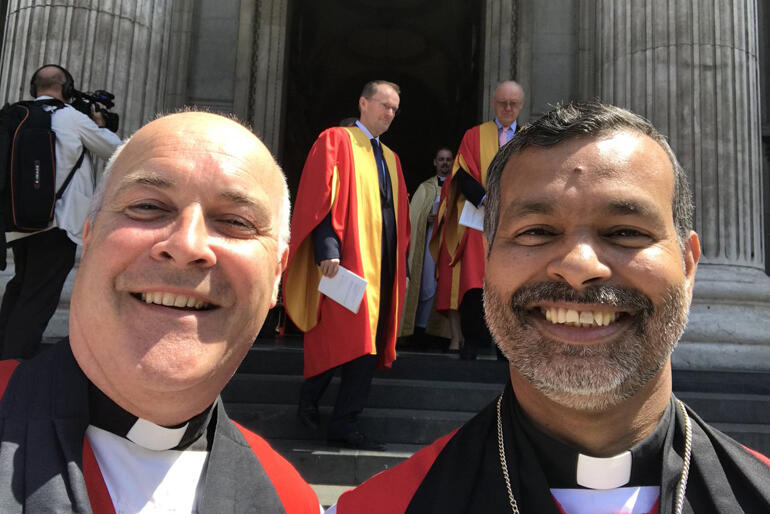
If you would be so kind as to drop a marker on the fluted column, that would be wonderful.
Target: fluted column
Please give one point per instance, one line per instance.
(124, 46)
(500, 25)
(691, 67)
(118, 45)
(265, 107)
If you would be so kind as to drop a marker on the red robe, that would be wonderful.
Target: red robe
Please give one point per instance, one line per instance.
(340, 175)
(459, 251)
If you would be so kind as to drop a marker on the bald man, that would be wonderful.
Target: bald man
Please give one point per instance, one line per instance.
(182, 255)
(459, 249)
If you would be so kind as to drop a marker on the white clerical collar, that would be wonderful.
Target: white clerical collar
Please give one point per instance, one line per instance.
(104, 413)
(604, 473)
(155, 437)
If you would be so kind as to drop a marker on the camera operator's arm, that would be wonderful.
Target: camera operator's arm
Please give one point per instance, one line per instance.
(98, 140)
(97, 116)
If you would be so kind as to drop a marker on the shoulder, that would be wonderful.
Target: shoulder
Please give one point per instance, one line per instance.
(296, 495)
(763, 459)
(391, 491)
(71, 114)
(334, 134)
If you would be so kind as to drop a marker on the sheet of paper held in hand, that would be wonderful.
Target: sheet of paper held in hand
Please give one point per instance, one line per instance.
(346, 288)
(472, 217)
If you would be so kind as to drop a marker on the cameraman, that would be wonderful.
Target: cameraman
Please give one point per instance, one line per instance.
(43, 259)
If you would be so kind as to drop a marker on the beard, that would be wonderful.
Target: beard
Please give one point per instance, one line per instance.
(587, 377)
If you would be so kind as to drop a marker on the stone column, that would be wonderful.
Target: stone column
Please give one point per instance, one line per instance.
(691, 67)
(269, 47)
(123, 46)
(500, 59)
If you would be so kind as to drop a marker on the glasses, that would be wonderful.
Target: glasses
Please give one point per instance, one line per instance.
(507, 105)
(387, 107)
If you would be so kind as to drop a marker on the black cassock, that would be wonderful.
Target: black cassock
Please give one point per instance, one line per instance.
(464, 476)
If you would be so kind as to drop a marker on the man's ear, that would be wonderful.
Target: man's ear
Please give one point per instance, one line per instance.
(280, 267)
(691, 258)
(86, 235)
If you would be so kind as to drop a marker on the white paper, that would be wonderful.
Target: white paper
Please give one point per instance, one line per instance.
(346, 288)
(472, 217)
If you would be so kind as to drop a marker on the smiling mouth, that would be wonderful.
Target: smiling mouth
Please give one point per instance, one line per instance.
(177, 301)
(578, 318)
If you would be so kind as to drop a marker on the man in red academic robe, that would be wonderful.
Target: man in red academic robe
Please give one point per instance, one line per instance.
(182, 256)
(588, 283)
(460, 249)
(351, 211)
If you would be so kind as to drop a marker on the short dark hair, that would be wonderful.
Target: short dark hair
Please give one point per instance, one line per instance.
(589, 118)
(443, 148)
(370, 88)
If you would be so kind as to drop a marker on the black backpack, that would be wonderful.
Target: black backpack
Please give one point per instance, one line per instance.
(28, 167)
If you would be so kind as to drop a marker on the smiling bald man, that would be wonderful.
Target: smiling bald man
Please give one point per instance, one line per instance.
(589, 278)
(182, 256)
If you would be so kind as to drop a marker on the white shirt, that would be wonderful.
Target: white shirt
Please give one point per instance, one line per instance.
(74, 130)
(147, 481)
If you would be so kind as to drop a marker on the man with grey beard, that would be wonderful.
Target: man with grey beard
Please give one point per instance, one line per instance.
(589, 277)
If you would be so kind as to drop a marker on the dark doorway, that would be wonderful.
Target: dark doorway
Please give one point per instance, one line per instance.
(431, 49)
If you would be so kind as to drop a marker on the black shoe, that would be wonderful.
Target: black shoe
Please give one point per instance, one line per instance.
(308, 415)
(358, 441)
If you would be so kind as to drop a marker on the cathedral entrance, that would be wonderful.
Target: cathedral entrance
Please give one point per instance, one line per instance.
(431, 49)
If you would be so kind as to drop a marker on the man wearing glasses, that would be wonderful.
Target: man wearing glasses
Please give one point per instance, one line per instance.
(458, 247)
(351, 212)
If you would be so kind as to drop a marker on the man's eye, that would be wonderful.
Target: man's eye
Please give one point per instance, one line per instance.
(237, 227)
(535, 236)
(145, 210)
(626, 232)
(628, 236)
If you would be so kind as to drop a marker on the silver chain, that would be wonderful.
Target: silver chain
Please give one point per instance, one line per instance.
(680, 488)
(503, 460)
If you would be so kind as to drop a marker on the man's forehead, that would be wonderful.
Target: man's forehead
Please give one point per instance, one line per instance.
(507, 90)
(625, 159)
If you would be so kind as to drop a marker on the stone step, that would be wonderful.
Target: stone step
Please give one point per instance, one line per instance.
(270, 358)
(385, 393)
(468, 397)
(322, 464)
(405, 426)
(284, 357)
(733, 408)
(754, 436)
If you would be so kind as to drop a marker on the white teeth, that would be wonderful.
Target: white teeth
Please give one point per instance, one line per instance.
(173, 300)
(578, 318)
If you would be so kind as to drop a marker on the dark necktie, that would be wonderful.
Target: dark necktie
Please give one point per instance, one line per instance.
(382, 170)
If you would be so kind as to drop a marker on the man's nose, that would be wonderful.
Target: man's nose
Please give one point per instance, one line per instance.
(187, 243)
(579, 264)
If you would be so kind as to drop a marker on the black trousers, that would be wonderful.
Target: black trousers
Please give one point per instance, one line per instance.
(351, 397)
(472, 322)
(42, 262)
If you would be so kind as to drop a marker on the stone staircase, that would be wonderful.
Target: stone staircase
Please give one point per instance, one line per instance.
(425, 396)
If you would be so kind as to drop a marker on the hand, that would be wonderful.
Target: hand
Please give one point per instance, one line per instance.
(97, 116)
(431, 219)
(329, 267)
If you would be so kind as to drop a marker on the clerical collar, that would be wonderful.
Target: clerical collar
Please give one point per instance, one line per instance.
(565, 467)
(109, 416)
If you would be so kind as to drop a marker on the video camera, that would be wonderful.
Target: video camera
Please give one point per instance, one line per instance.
(102, 100)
